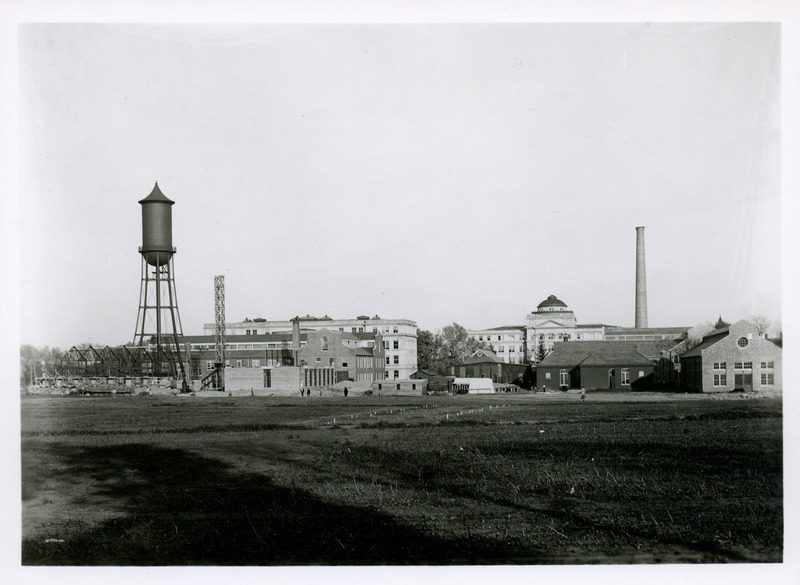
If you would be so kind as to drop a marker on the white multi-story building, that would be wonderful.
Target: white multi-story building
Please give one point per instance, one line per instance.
(399, 336)
(507, 342)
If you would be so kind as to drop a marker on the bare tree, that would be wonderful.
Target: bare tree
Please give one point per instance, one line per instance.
(761, 323)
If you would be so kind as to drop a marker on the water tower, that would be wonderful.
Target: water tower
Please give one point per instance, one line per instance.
(158, 324)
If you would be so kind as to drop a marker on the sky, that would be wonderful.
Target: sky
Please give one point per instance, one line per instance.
(434, 172)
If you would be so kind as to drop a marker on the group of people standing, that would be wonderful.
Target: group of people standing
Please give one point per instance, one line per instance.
(307, 392)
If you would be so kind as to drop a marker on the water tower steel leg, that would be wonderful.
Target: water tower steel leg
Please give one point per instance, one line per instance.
(158, 313)
(176, 324)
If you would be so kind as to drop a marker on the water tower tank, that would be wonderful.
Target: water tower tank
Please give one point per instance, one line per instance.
(157, 228)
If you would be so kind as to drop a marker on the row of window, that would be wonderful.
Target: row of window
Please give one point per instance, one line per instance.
(413, 385)
(767, 379)
(263, 345)
(743, 372)
(744, 365)
(499, 338)
(625, 377)
(511, 349)
(357, 329)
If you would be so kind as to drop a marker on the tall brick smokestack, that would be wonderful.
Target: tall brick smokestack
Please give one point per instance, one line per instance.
(641, 281)
(296, 340)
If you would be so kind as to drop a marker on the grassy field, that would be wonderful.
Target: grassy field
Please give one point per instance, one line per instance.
(179, 480)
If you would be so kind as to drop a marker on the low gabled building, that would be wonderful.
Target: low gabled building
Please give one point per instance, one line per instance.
(733, 358)
(606, 365)
(486, 364)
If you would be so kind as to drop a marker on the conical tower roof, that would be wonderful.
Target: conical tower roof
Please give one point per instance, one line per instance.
(156, 196)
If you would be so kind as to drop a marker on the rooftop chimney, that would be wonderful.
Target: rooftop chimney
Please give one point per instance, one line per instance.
(296, 340)
(641, 281)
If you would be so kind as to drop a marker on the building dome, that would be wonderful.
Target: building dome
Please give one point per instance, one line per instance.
(551, 303)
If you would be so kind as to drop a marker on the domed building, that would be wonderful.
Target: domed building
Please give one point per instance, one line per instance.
(554, 321)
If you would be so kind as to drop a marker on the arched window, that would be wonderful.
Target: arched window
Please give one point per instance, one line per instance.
(324, 342)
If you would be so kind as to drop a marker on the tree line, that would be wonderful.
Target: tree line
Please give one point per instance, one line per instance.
(449, 346)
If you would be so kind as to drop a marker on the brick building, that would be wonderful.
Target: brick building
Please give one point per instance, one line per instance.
(733, 358)
(486, 364)
(601, 365)
(399, 336)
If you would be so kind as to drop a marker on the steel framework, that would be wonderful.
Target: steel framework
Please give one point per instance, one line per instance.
(219, 332)
(158, 323)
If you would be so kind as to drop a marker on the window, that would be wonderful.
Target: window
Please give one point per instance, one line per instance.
(742, 342)
(319, 360)
(396, 344)
(563, 378)
(396, 374)
(767, 373)
(353, 329)
(227, 363)
(480, 338)
(499, 338)
(547, 375)
(344, 364)
(626, 377)
(720, 379)
(396, 360)
(239, 363)
(512, 349)
(256, 363)
(551, 336)
(395, 330)
(324, 343)
(501, 349)
(388, 360)
(209, 365)
(413, 386)
(720, 365)
(331, 361)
